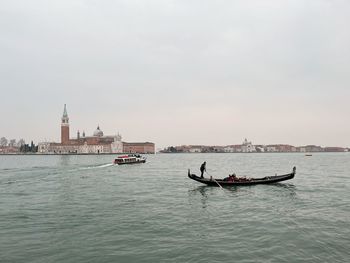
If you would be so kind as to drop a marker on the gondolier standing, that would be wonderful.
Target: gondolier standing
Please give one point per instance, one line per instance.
(203, 169)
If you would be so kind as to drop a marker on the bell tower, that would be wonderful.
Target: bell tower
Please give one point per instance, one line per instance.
(65, 127)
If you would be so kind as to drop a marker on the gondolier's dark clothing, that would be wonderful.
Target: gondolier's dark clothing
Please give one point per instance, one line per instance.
(202, 169)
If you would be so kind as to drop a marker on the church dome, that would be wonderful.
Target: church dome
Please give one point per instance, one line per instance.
(98, 132)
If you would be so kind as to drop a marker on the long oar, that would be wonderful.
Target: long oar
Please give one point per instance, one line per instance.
(215, 180)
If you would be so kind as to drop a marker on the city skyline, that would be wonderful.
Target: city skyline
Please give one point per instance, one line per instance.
(178, 72)
(96, 143)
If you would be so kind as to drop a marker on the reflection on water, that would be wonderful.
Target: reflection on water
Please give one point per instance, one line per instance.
(203, 191)
(64, 160)
(279, 196)
(284, 185)
(285, 189)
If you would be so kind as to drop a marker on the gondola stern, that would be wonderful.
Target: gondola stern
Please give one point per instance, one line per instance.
(189, 174)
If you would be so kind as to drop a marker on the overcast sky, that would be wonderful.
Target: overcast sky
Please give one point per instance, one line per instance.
(177, 72)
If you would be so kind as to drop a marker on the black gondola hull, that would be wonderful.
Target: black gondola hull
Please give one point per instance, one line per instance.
(252, 181)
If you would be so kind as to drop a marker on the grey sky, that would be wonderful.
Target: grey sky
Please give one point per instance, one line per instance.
(177, 72)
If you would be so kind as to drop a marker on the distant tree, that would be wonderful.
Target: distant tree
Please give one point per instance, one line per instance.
(20, 142)
(259, 149)
(12, 142)
(22, 148)
(172, 149)
(25, 148)
(3, 142)
(32, 146)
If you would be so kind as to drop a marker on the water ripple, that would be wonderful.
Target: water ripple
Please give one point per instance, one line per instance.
(84, 209)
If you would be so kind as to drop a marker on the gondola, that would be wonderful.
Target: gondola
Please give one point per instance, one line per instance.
(242, 181)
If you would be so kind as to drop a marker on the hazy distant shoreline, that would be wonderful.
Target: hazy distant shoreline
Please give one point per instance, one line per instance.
(74, 154)
(64, 154)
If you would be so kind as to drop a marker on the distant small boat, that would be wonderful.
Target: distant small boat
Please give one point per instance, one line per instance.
(129, 159)
(308, 154)
(243, 181)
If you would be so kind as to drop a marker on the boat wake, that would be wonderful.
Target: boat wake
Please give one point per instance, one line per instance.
(97, 167)
(104, 165)
(93, 167)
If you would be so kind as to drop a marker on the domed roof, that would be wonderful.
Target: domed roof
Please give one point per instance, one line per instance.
(98, 132)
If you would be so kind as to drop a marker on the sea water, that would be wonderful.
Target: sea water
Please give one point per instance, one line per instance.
(84, 209)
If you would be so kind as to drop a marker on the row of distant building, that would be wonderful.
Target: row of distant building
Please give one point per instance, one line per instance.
(97, 143)
(248, 147)
(11, 146)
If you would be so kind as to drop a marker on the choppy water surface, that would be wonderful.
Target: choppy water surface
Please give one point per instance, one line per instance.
(83, 209)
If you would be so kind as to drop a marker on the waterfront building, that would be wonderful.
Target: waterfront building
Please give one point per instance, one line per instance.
(138, 147)
(228, 149)
(9, 149)
(271, 148)
(182, 148)
(313, 148)
(260, 148)
(195, 150)
(248, 147)
(287, 148)
(335, 149)
(233, 148)
(95, 144)
(280, 148)
(310, 148)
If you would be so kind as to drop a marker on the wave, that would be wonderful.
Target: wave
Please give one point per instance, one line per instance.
(94, 167)
(105, 165)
